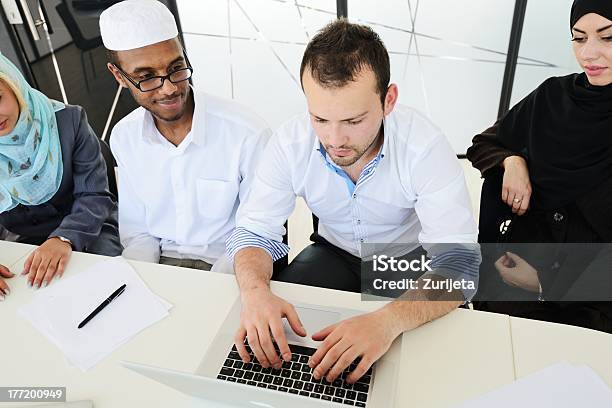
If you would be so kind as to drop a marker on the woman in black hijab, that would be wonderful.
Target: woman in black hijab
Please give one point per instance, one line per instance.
(550, 160)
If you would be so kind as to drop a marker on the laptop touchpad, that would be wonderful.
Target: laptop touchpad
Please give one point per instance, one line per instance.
(313, 321)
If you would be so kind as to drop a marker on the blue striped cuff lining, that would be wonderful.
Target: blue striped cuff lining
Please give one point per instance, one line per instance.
(243, 238)
(460, 261)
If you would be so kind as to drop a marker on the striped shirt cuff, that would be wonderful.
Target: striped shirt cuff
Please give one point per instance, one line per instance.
(459, 263)
(463, 262)
(243, 238)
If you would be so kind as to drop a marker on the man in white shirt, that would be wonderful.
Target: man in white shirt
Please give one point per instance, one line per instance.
(373, 174)
(185, 158)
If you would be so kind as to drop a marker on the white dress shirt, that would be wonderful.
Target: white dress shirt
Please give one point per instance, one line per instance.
(181, 201)
(413, 192)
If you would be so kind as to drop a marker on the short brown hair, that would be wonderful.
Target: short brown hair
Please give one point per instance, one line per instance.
(341, 50)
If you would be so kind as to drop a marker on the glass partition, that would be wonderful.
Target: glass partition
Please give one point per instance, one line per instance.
(546, 49)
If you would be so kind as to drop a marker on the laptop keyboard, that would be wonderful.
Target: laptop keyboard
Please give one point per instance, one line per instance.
(295, 377)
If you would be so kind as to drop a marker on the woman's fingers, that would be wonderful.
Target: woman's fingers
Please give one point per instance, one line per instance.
(4, 289)
(51, 271)
(524, 205)
(516, 203)
(5, 272)
(516, 186)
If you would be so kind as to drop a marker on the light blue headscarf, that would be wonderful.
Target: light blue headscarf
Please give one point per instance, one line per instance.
(31, 165)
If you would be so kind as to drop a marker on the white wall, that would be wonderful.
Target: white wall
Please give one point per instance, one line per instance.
(251, 50)
(546, 38)
(451, 68)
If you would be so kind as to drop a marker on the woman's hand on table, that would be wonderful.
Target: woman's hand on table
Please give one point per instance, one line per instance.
(4, 288)
(47, 261)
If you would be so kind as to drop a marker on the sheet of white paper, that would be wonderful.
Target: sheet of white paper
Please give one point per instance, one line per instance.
(560, 386)
(57, 310)
(588, 372)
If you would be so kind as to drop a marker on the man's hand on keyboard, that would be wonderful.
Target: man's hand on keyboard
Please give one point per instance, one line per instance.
(368, 337)
(261, 322)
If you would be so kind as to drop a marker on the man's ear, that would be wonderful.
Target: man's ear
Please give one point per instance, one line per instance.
(390, 99)
(120, 80)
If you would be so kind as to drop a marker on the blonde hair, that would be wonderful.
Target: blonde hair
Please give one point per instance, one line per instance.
(16, 91)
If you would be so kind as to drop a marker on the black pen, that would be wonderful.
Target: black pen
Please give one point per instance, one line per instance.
(98, 309)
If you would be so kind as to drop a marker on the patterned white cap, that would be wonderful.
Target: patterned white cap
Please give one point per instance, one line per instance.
(133, 24)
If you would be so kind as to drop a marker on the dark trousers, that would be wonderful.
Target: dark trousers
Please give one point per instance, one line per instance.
(323, 265)
(185, 263)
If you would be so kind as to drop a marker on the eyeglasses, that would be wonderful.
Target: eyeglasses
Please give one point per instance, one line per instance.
(156, 82)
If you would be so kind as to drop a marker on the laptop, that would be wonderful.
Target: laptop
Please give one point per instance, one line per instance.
(223, 378)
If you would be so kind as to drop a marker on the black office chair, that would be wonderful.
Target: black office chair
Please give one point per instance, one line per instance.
(283, 262)
(315, 223)
(86, 45)
(110, 167)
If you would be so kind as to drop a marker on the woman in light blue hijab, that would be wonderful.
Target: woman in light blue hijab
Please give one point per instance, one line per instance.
(53, 181)
(30, 148)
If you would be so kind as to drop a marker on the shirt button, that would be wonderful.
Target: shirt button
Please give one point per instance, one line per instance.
(358, 221)
(354, 195)
(558, 217)
(362, 240)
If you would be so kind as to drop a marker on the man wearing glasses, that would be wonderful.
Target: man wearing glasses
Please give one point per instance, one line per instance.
(185, 158)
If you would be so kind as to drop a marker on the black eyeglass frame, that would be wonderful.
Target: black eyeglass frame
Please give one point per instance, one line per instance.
(162, 77)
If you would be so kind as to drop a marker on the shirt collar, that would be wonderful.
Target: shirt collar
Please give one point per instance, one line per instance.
(382, 152)
(198, 125)
(387, 134)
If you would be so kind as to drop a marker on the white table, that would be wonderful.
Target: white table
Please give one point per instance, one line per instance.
(540, 344)
(13, 255)
(457, 357)
(201, 301)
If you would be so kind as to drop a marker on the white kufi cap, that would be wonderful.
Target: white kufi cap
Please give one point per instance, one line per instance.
(134, 24)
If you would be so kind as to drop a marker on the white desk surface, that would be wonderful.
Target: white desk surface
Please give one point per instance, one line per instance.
(456, 358)
(540, 344)
(444, 362)
(13, 255)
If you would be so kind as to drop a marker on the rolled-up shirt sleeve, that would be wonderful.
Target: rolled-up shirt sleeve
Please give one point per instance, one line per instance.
(270, 201)
(243, 238)
(449, 232)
